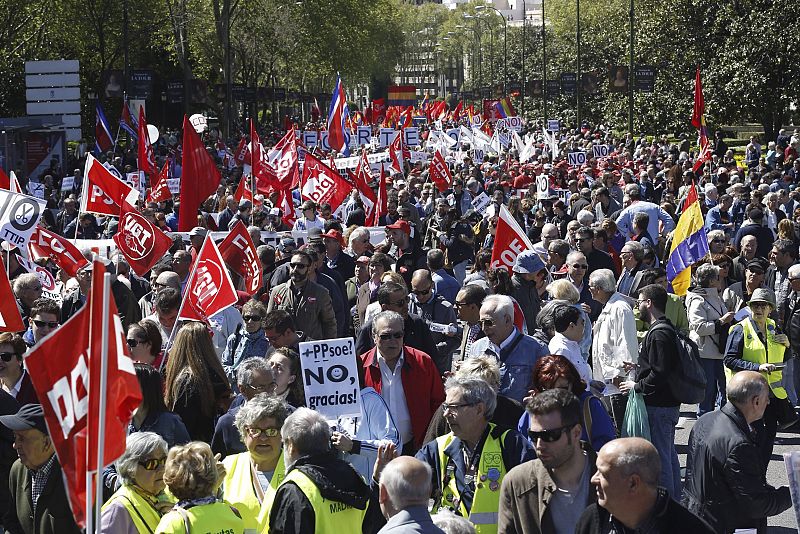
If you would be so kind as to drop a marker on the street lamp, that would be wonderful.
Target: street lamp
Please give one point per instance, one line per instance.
(480, 53)
(505, 49)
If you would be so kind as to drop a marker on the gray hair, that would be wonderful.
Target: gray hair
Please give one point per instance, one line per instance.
(139, 447)
(244, 374)
(637, 458)
(499, 305)
(561, 247)
(452, 523)
(636, 248)
(307, 431)
(260, 407)
(358, 233)
(604, 280)
(575, 254)
(585, 217)
(545, 319)
(474, 390)
(715, 234)
(794, 270)
(23, 280)
(749, 386)
(388, 316)
(406, 491)
(705, 274)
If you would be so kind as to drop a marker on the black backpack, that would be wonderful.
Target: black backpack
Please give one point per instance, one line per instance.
(688, 381)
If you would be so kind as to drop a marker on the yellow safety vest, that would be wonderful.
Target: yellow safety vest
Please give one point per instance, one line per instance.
(243, 491)
(143, 515)
(491, 470)
(214, 517)
(755, 351)
(330, 517)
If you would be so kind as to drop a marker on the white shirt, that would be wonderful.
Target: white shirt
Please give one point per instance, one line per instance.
(395, 397)
(571, 350)
(614, 341)
(15, 390)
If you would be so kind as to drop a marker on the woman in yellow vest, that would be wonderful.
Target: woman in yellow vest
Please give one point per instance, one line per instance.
(252, 477)
(138, 504)
(194, 476)
(756, 344)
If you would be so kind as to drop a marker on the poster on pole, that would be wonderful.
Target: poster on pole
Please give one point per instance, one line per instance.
(330, 377)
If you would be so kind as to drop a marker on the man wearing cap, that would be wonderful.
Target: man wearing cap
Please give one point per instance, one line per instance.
(409, 259)
(335, 257)
(228, 213)
(39, 502)
(736, 296)
(754, 225)
(529, 276)
(275, 221)
(197, 236)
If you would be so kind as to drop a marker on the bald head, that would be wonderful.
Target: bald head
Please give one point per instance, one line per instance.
(404, 482)
(422, 276)
(550, 232)
(169, 279)
(749, 392)
(633, 456)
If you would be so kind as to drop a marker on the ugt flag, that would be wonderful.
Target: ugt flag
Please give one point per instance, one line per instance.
(338, 138)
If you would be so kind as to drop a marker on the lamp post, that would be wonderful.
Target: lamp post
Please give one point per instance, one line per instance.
(505, 49)
(524, 81)
(630, 74)
(480, 54)
(578, 62)
(544, 67)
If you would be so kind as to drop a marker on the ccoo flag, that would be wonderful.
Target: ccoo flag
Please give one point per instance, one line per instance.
(338, 138)
(689, 244)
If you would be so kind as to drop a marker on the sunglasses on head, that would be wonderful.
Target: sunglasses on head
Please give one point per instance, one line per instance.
(42, 324)
(7, 356)
(548, 436)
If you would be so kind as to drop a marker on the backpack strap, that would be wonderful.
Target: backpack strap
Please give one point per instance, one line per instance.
(587, 417)
(186, 521)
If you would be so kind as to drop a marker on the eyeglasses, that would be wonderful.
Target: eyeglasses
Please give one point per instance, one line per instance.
(134, 342)
(582, 239)
(152, 464)
(255, 433)
(486, 322)
(580, 266)
(548, 436)
(261, 388)
(422, 291)
(718, 241)
(455, 406)
(48, 324)
(157, 284)
(458, 304)
(298, 265)
(642, 300)
(252, 318)
(7, 356)
(391, 335)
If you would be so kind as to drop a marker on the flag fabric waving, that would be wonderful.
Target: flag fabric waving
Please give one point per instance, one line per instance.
(505, 108)
(10, 318)
(321, 184)
(239, 251)
(142, 244)
(65, 370)
(9, 183)
(160, 191)
(146, 155)
(338, 138)
(102, 191)
(362, 178)
(199, 179)
(127, 122)
(509, 241)
(699, 122)
(689, 244)
(47, 244)
(243, 191)
(102, 132)
(209, 288)
(380, 201)
(440, 172)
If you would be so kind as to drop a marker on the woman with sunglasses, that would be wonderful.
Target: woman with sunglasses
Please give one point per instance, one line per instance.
(253, 476)
(14, 380)
(249, 340)
(144, 342)
(138, 504)
(555, 371)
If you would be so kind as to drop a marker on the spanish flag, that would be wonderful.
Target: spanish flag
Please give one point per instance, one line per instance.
(689, 244)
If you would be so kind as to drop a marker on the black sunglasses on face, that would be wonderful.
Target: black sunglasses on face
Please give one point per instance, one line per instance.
(548, 436)
(7, 356)
(390, 335)
(252, 318)
(134, 342)
(42, 324)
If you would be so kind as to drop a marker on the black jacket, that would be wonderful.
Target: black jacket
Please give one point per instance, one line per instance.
(417, 336)
(337, 481)
(658, 357)
(527, 297)
(668, 517)
(725, 484)
(792, 325)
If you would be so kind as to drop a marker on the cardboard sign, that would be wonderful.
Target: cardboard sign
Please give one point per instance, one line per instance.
(330, 377)
(553, 125)
(68, 183)
(480, 202)
(600, 151)
(511, 123)
(576, 159)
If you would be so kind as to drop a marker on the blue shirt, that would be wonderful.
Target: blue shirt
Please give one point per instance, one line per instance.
(446, 285)
(517, 358)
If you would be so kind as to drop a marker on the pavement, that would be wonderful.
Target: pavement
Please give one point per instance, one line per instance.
(776, 472)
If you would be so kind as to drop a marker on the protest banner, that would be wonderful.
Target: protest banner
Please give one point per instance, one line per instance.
(480, 202)
(330, 377)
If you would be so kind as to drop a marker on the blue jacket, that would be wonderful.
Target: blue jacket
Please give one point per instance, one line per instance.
(714, 219)
(516, 362)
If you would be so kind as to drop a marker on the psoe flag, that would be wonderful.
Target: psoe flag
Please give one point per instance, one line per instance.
(689, 244)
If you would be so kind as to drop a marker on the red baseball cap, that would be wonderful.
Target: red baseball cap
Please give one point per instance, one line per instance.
(400, 224)
(334, 234)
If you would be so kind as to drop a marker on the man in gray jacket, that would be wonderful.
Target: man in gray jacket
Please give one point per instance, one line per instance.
(404, 489)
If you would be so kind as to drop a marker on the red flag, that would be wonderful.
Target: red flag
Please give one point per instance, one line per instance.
(242, 154)
(146, 155)
(699, 101)
(256, 150)
(102, 190)
(160, 191)
(378, 109)
(9, 183)
(439, 172)
(380, 201)
(363, 177)
(65, 369)
(287, 206)
(199, 180)
(397, 154)
(139, 240)
(284, 163)
(47, 244)
(321, 184)
(239, 251)
(509, 241)
(209, 288)
(243, 190)
(10, 318)
(458, 110)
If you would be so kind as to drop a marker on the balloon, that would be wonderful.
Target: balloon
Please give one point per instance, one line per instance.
(152, 133)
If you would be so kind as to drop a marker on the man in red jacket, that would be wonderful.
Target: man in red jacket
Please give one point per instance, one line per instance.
(406, 378)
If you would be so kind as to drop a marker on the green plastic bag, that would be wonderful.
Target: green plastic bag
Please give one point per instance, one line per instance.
(635, 423)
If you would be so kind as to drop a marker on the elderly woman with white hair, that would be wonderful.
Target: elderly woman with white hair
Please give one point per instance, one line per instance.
(716, 241)
(709, 320)
(136, 507)
(252, 477)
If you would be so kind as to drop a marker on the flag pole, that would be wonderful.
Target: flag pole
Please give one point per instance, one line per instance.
(101, 416)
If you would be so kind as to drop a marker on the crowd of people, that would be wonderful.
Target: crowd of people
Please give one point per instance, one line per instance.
(493, 400)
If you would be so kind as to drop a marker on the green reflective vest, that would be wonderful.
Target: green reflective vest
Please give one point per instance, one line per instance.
(331, 517)
(755, 351)
(242, 490)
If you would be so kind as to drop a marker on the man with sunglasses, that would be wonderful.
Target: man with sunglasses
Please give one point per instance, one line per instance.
(547, 495)
(470, 463)
(405, 377)
(438, 314)
(595, 259)
(44, 319)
